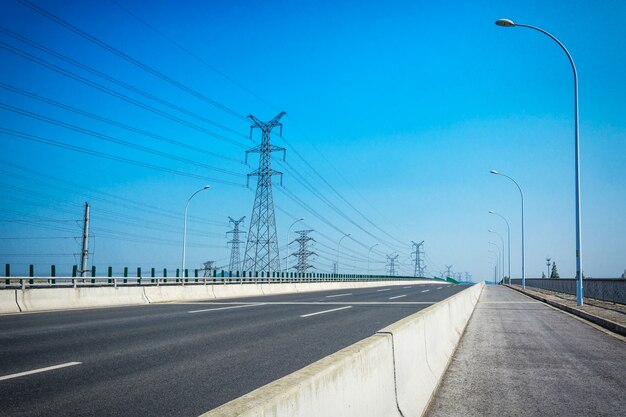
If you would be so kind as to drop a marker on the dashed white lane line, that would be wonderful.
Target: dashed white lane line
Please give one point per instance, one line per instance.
(439, 288)
(397, 296)
(425, 290)
(406, 287)
(36, 371)
(226, 308)
(384, 289)
(338, 295)
(325, 311)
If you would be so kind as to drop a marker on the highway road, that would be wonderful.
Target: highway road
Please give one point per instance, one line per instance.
(183, 359)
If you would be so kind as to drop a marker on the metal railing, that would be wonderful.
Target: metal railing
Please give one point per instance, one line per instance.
(75, 282)
(613, 290)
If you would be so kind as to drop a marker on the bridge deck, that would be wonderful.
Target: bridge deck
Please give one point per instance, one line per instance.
(520, 357)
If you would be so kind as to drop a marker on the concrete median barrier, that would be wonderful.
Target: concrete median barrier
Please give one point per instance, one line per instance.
(170, 293)
(8, 302)
(392, 373)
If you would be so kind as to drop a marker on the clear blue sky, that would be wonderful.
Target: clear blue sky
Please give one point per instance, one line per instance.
(401, 108)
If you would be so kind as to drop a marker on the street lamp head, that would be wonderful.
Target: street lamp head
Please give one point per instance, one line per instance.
(507, 23)
(493, 171)
(490, 231)
(491, 212)
(206, 186)
(300, 219)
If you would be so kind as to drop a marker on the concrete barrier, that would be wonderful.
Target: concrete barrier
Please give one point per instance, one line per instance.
(41, 299)
(356, 381)
(169, 293)
(8, 302)
(424, 344)
(392, 373)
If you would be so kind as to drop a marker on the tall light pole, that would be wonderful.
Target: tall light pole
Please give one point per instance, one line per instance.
(499, 256)
(182, 272)
(339, 243)
(495, 275)
(501, 241)
(522, 197)
(508, 233)
(368, 257)
(579, 262)
(288, 232)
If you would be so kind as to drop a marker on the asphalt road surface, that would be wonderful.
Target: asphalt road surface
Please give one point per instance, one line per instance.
(183, 359)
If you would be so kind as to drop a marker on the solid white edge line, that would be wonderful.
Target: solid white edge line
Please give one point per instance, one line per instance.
(384, 289)
(36, 371)
(397, 296)
(325, 311)
(225, 308)
(338, 295)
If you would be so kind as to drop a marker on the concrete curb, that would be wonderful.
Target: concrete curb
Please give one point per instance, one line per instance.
(392, 373)
(602, 322)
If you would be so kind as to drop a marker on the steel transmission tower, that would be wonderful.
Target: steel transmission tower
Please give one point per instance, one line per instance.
(208, 267)
(391, 265)
(303, 252)
(262, 246)
(448, 272)
(235, 260)
(419, 259)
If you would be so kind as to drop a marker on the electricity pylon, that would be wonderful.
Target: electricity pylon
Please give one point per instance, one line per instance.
(208, 267)
(448, 272)
(419, 260)
(391, 265)
(235, 261)
(303, 253)
(262, 245)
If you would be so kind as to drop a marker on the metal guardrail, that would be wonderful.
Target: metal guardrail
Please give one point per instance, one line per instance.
(76, 282)
(613, 290)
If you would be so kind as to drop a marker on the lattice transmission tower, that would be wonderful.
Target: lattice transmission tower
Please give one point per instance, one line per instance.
(391, 265)
(208, 267)
(419, 259)
(303, 253)
(448, 271)
(262, 246)
(235, 259)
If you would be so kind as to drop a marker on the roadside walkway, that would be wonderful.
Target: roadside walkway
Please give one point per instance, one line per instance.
(520, 357)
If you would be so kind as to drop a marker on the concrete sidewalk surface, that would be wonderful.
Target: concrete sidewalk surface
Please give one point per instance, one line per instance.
(521, 357)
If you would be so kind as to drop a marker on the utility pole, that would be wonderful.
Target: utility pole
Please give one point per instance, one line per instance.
(85, 252)
(303, 253)
(419, 259)
(262, 246)
(548, 266)
(391, 265)
(235, 262)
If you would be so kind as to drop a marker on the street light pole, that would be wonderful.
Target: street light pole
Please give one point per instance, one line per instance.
(495, 275)
(522, 197)
(182, 272)
(508, 233)
(339, 243)
(368, 257)
(579, 266)
(288, 232)
(499, 257)
(501, 241)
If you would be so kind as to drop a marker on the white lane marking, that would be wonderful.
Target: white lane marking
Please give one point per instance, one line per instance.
(425, 290)
(439, 288)
(338, 295)
(36, 371)
(407, 287)
(325, 311)
(384, 289)
(225, 308)
(397, 296)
